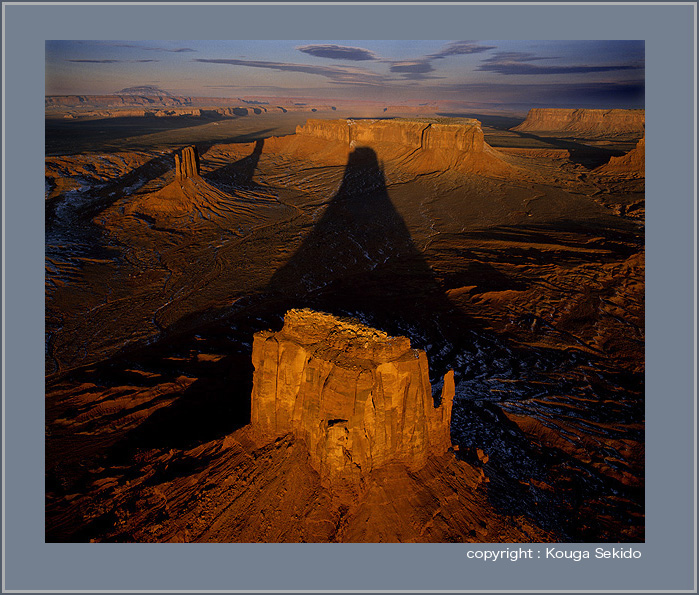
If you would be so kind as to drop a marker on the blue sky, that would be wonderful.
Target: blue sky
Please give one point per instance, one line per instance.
(606, 73)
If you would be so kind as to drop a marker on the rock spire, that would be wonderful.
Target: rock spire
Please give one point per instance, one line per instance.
(187, 164)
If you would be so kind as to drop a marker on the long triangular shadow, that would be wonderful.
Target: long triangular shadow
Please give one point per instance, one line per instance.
(239, 173)
(360, 260)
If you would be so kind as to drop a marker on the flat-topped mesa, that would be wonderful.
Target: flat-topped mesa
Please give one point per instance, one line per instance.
(356, 396)
(465, 135)
(186, 164)
(585, 122)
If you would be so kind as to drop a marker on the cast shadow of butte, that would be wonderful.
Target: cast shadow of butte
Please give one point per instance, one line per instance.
(360, 260)
(239, 173)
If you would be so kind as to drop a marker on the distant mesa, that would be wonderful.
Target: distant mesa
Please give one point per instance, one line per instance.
(186, 163)
(585, 122)
(421, 145)
(357, 397)
(253, 101)
(631, 165)
(115, 101)
(150, 101)
(145, 90)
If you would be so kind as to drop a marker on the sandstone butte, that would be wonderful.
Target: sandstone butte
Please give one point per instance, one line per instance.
(186, 164)
(592, 122)
(357, 397)
(466, 135)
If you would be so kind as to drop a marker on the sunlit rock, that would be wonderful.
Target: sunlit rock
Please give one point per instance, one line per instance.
(356, 396)
(186, 164)
(584, 122)
(632, 164)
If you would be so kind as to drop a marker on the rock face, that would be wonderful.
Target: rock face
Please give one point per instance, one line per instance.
(466, 135)
(585, 122)
(633, 164)
(186, 164)
(356, 396)
(418, 146)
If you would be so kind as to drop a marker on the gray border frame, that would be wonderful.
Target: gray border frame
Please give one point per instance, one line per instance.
(669, 554)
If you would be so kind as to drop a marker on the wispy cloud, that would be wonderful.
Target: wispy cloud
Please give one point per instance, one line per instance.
(111, 61)
(150, 48)
(417, 70)
(337, 52)
(413, 70)
(336, 74)
(457, 48)
(276, 87)
(569, 94)
(510, 63)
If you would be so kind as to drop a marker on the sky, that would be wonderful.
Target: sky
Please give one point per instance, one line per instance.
(593, 73)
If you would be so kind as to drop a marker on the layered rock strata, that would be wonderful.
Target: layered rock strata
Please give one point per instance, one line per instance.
(356, 396)
(415, 146)
(187, 163)
(632, 165)
(584, 122)
(114, 100)
(466, 135)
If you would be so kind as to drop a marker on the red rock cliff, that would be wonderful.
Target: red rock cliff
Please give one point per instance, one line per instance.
(631, 165)
(357, 397)
(411, 134)
(591, 122)
(419, 146)
(186, 165)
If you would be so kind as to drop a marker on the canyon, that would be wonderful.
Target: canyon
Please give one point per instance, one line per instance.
(360, 330)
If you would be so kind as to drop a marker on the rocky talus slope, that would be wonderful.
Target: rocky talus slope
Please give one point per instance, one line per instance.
(345, 445)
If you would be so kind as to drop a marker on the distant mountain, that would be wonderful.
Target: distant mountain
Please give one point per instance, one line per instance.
(147, 90)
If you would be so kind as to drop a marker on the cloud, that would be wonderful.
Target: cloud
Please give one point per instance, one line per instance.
(517, 57)
(337, 52)
(151, 48)
(337, 74)
(458, 48)
(417, 70)
(570, 94)
(96, 61)
(520, 63)
(413, 70)
(111, 61)
(412, 67)
(245, 87)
